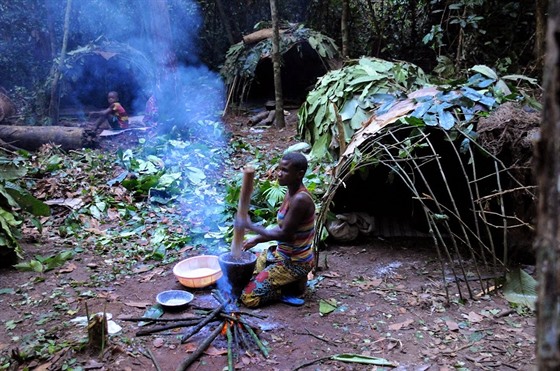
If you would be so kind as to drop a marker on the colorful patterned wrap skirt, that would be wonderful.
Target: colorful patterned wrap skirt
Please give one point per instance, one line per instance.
(272, 272)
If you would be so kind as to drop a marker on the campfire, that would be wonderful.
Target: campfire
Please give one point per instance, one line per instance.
(232, 325)
(237, 266)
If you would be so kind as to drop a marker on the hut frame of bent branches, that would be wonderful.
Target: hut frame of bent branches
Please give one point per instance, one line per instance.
(430, 154)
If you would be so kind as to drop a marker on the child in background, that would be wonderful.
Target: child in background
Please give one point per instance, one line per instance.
(115, 114)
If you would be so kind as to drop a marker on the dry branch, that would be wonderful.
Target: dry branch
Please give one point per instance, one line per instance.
(170, 326)
(143, 319)
(203, 323)
(201, 348)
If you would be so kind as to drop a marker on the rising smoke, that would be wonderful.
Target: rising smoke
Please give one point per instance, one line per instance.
(189, 95)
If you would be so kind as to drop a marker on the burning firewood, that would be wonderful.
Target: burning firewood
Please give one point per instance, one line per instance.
(230, 346)
(203, 323)
(255, 338)
(237, 331)
(201, 348)
(167, 327)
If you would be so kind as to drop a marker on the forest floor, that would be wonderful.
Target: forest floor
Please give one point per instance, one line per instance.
(387, 300)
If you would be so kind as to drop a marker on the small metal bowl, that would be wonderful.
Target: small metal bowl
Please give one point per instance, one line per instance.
(174, 298)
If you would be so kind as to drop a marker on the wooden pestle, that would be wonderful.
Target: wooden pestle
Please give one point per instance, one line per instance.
(242, 209)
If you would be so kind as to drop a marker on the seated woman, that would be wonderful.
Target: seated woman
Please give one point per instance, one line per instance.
(291, 260)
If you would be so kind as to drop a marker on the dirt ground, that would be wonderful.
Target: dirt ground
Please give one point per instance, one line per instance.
(388, 300)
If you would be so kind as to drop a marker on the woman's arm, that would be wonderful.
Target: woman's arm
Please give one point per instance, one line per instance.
(301, 207)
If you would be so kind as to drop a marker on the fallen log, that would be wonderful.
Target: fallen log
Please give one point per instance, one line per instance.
(33, 137)
(258, 117)
(259, 35)
(269, 120)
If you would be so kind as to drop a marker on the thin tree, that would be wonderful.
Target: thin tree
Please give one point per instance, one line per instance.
(158, 25)
(55, 93)
(541, 7)
(277, 67)
(547, 242)
(344, 27)
(225, 21)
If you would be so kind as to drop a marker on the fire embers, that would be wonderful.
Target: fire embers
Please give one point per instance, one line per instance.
(241, 336)
(225, 322)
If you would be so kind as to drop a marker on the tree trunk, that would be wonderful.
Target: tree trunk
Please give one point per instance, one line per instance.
(276, 63)
(158, 26)
(33, 137)
(225, 21)
(540, 32)
(7, 107)
(547, 242)
(55, 93)
(344, 27)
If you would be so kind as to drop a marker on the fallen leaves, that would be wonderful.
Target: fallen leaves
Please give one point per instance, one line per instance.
(150, 276)
(452, 325)
(68, 268)
(400, 325)
(473, 317)
(138, 304)
(327, 306)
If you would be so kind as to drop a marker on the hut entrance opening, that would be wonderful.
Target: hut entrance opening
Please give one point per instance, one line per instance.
(301, 67)
(92, 76)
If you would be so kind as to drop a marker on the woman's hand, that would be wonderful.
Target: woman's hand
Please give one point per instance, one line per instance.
(251, 242)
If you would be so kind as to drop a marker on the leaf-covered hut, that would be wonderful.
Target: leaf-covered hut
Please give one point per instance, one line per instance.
(306, 55)
(412, 153)
(91, 71)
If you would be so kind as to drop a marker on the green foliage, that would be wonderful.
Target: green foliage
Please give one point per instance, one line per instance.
(349, 95)
(43, 264)
(521, 288)
(346, 99)
(16, 204)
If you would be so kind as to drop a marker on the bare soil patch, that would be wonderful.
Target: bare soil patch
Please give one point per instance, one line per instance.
(389, 294)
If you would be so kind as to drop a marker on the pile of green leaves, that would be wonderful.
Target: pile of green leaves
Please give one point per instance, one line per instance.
(349, 95)
(242, 60)
(345, 99)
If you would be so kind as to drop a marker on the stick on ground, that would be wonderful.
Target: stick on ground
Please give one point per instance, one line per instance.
(202, 323)
(201, 348)
(256, 339)
(152, 330)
